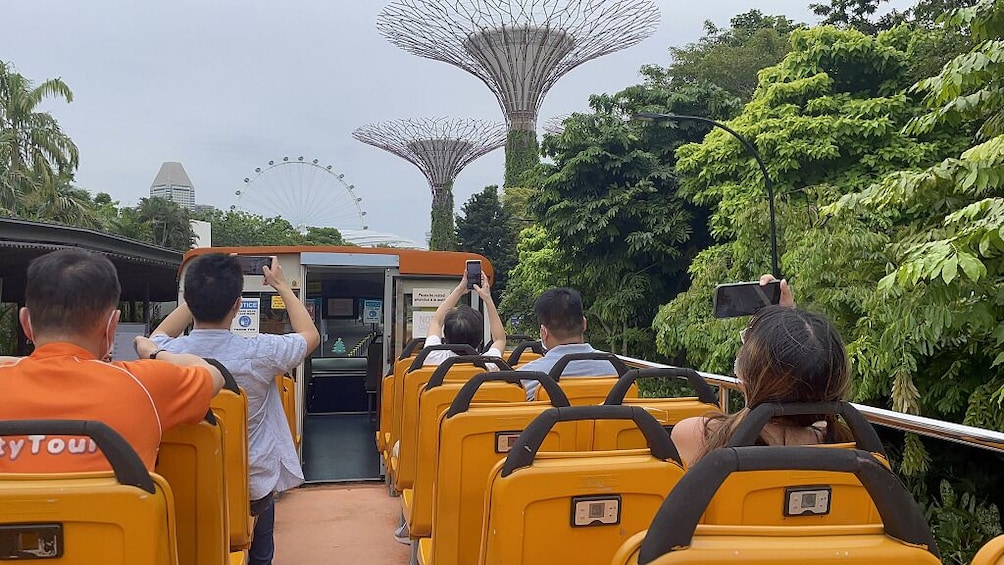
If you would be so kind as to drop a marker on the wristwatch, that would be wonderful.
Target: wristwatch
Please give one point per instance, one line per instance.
(155, 353)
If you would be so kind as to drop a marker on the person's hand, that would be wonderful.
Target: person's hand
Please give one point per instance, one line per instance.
(273, 275)
(144, 346)
(787, 298)
(484, 290)
(462, 287)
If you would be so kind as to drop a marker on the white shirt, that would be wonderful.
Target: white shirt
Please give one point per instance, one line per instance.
(437, 357)
(255, 362)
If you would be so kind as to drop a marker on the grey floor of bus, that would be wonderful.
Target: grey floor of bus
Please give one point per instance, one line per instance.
(339, 447)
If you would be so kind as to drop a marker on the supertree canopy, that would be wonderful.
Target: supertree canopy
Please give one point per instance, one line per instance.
(440, 148)
(519, 48)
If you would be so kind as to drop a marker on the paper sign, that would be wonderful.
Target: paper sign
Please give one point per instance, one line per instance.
(372, 311)
(420, 323)
(428, 297)
(277, 303)
(246, 321)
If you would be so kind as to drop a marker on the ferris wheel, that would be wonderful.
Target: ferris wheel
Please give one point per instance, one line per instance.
(304, 193)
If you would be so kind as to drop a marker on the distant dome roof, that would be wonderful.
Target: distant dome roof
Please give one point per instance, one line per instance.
(368, 238)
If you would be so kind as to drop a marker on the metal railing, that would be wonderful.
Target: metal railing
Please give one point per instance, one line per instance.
(929, 427)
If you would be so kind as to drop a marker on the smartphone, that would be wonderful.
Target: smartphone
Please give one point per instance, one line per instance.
(473, 271)
(252, 264)
(745, 298)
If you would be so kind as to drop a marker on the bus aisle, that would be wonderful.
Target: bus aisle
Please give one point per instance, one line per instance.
(338, 524)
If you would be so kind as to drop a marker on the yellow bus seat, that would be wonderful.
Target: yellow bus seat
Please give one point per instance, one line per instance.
(621, 434)
(525, 352)
(387, 407)
(747, 498)
(231, 408)
(456, 368)
(287, 392)
(576, 507)
(415, 363)
(992, 553)
(473, 439)
(238, 558)
(432, 406)
(120, 517)
(191, 459)
(588, 390)
(902, 536)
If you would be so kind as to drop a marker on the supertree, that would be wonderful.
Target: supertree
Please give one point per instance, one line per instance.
(519, 48)
(440, 148)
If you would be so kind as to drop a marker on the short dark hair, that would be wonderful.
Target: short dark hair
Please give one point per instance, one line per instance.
(213, 283)
(464, 324)
(560, 311)
(70, 291)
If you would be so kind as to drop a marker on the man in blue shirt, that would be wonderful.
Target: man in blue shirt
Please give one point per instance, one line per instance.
(213, 285)
(562, 331)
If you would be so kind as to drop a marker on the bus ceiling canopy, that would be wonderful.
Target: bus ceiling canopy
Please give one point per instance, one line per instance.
(145, 271)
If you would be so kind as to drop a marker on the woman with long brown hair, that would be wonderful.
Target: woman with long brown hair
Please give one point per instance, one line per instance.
(787, 355)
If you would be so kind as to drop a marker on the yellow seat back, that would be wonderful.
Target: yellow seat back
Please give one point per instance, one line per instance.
(387, 395)
(674, 536)
(473, 439)
(191, 459)
(620, 434)
(991, 554)
(588, 390)
(287, 393)
(524, 353)
(119, 517)
(456, 368)
(433, 403)
(231, 408)
(397, 415)
(575, 507)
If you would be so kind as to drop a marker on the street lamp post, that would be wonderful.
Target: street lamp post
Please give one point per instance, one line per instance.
(768, 184)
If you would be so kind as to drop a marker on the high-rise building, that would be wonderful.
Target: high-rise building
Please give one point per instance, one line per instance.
(172, 183)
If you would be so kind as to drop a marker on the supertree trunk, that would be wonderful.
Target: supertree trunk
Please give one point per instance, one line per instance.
(443, 235)
(522, 154)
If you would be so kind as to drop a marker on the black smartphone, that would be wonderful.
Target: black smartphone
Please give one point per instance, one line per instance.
(473, 271)
(252, 264)
(744, 299)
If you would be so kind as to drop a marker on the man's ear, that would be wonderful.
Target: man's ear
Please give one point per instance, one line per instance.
(25, 319)
(113, 323)
(236, 306)
(583, 325)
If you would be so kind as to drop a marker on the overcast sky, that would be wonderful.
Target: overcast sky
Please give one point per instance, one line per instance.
(226, 86)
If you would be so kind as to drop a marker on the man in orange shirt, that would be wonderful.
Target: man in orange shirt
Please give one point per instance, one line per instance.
(70, 314)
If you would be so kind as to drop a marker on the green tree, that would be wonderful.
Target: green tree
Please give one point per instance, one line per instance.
(169, 223)
(731, 57)
(851, 14)
(35, 153)
(236, 228)
(60, 203)
(487, 228)
(323, 236)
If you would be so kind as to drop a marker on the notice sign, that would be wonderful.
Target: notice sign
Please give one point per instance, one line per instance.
(372, 311)
(423, 297)
(277, 302)
(420, 323)
(246, 321)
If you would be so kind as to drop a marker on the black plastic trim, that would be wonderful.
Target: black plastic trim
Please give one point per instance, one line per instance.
(704, 392)
(674, 524)
(229, 382)
(614, 360)
(466, 394)
(752, 425)
(125, 463)
(410, 347)
(525, 449)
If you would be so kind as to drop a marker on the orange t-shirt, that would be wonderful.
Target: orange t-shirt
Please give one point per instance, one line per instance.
(138, 399)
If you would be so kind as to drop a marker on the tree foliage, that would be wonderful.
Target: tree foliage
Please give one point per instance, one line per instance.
(35, 153)
(442, 235)
(731, 57)
(488, 229)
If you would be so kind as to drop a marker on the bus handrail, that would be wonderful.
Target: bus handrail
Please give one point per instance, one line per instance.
(929, 427)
